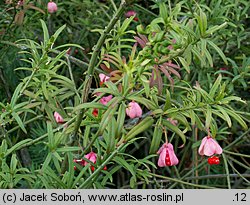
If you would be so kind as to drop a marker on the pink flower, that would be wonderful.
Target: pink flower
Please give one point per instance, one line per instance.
(52, 7)
(91, 157)
(103, 78)
(134, 110)
(131, 13)
(105, 100)
(167, 156)
(209, 147)
(173, 122)
(223, 68)
(58, 118)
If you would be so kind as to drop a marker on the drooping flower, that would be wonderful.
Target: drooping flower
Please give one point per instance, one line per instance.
(209, 147)
(173, 122)
(92, 156)
(58, 118)
(134, 110)
(167, 156)
(105, 100)
(131, 13)
(103, 78)
(224, 68)
(213, 160)
(52, 7)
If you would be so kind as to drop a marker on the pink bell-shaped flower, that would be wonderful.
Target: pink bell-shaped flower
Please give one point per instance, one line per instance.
(103, 78)
(134, 110)
(167, 156)
(52, 7)
(91, 157)
(209, 147)
(58, 118)
(105, 100)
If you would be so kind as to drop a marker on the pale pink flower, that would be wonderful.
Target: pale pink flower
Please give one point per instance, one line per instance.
(58, 117)
(209, 147)
(105, 100)
(91, 157)
(167, 156)
(130, 13)
(134, 110)
(52, 7)
(173, 122)
(103, 78)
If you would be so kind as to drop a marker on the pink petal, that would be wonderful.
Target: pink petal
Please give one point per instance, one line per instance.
(91, 157)
(103, 77)
(209, 148)
(105, 100)
(58, 117)
(218, 149)
(173, 159)
(52, 7)
(201, 148)
(134, 110)
(162, 157)
(138, 110)
(160, 150)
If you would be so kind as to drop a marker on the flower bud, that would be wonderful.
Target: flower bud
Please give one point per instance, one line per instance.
(52, 7)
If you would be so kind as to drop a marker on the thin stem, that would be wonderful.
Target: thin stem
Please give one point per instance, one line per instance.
(100, 168)
(72, 77)
(227, 171)
(27, 83)
(237, 140)
(190, 172)
(178, 175)
(91, 67)
(5, 84)
(237, 154)
(215, 176)
(182, 182)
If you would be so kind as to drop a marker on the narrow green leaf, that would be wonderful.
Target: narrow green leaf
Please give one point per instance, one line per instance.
(45, 32)
(16, 146)
(13, 163)
(208, 117)
(184, 64)
(174, 129)
(167, 101)
(125, 164)
(226, 116)
(156, 140)
(237, 118)
(90, 105)
(19, 121)
(139, 128)
(215, 86)
(15, 95)
(120, 119)
(218, 50)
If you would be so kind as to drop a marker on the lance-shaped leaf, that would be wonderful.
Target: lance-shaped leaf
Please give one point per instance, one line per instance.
(174, 129)
(155, 143)
(141, 127)
(120, 119)
(236, 117)
(215, 86)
